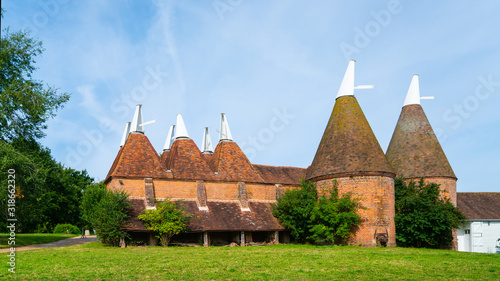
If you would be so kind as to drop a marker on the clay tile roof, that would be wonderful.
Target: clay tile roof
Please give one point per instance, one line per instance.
(227, 216)
(165, 158)
(231, 164)
(348, 145)
(207, 157)
(414, 150)
(133, 223)
(283, 175)
(137, 158)
(479, 205)
(186, 161)
(222, 216)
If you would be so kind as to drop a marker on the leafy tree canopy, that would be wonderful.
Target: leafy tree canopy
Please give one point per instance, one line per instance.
(25, 103)
(327, 220)
(47, 193)
(424, 219)
(294, 209)
(333, 218)
(107, 212)
(168, 219)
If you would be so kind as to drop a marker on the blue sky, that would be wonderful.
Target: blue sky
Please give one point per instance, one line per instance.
(274, 68)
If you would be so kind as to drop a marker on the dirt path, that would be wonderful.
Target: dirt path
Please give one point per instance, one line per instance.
(61, 243)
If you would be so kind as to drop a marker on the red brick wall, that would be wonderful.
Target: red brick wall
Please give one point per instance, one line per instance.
(177, 189)
(261, 191)
(376, 193)
(133, 186)
(222, 190)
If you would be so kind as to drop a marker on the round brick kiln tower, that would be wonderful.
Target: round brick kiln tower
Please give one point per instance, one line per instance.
(350, 154)
(414, 151)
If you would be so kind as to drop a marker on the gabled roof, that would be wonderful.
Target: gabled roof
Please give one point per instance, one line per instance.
(414, 150)
(283, 175)
(479, 205)
(137, 158)
(185, 161)
(348, 145)
(231, 164)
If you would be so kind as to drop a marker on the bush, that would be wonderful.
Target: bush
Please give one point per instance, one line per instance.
(334, 217)
(106, 211)
(423, 218)
(67, 228)
(168, 219)
(327, 220)
(294, 210)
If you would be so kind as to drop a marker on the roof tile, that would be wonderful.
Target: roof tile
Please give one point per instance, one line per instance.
(137, 158)
(222, 216)
(231, 164)
(414, 150)
(479, 205)
(186, 161)
(283, 175)
(348, 145)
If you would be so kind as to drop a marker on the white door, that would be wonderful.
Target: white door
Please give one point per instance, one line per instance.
(466, 240)
(477, 237)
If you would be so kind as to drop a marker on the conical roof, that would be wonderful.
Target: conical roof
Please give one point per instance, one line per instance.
(414, 150)
(137, 158)
(348, 145)
(185, 161)
(231, 164)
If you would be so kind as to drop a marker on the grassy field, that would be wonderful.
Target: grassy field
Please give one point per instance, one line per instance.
(32, 238)
(282, 262)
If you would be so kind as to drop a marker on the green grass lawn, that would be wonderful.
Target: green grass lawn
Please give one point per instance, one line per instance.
(282, 262)
(25, 239)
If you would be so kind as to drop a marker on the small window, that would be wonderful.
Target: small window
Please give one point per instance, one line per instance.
(467, 231)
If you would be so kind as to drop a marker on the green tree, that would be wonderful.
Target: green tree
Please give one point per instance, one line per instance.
(294, 209)
(334, 217)
(424, 219)
(47, 193)
(328, 219)
(25, 103)
(168, 219)
(92, 197)
(107, 211)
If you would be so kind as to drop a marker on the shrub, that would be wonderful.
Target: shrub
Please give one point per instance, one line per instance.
(294, 208)
(168, 219)
(329, 219)
(66, 228)
(333, 218)
(106, 211)
(423, 218)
